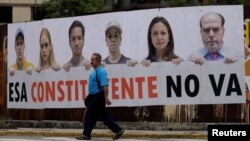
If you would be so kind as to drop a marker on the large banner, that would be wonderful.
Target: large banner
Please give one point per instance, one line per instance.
(160, 83)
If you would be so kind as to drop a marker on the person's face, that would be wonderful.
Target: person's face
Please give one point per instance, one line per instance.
(159, 36)
(76, 41)
(93, 61)
(45, 48)
(19, 47)
(113, 39)
(212, 32)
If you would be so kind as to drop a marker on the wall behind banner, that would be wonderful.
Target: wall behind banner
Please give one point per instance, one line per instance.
(3, 65)
(185, 113)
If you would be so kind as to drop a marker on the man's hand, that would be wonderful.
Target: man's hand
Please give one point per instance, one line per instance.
(12, 71)
(29, 70)
(197, 59)
(66, 67)
(87, 65)
(230, 60)
(132, 62)
(107, 101)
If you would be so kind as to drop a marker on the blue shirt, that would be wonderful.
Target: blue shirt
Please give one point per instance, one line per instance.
(102, 78)
(222, 53)
(218, 56)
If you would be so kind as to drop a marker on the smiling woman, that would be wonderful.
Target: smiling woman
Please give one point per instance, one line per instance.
(160, 43)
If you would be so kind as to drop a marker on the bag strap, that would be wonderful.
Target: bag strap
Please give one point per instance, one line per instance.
(98, 82)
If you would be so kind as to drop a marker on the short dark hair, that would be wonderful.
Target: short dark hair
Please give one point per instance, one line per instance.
(98, 57)
(77, 23)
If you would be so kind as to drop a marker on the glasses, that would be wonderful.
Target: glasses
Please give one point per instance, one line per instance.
(214, 29)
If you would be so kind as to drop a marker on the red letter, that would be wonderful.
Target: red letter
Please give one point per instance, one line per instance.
(32, 91)
(83, 83)
(114, 88)
(50, 92)
(60, 98)
(40, 95)
(140, 80)
(152, 87)
(76, 90)
(127, 89)
(69, 84)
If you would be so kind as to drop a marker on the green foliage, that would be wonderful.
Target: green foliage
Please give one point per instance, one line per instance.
(229, 2)
(180, 3)
(66, 8)
(173, 3)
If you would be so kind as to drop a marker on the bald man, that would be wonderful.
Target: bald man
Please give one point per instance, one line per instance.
(212, 33)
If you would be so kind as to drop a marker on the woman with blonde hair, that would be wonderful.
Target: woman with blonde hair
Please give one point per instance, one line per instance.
(47, 58)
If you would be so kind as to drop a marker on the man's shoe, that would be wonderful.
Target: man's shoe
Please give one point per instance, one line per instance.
(83, 137)
(118, 135)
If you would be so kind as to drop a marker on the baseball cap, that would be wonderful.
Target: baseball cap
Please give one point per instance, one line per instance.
(114, 24)
(19, 32)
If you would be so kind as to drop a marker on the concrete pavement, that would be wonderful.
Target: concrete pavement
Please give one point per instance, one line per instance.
(37, 138)
(103, 133)
(74, 128)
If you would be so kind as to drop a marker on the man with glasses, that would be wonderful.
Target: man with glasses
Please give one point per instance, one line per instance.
(212, 33)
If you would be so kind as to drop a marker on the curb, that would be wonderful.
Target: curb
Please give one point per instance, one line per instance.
(102, 133)
(74, 128)
(152, 126)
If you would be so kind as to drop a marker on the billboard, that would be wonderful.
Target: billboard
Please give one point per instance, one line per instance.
(164, 82)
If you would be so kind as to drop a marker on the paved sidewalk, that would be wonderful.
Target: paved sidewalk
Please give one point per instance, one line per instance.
(50, 132)
(132, 130)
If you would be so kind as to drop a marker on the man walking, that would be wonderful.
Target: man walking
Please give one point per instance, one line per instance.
(97, 100)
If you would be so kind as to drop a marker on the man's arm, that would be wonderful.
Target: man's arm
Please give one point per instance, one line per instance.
(106, 91)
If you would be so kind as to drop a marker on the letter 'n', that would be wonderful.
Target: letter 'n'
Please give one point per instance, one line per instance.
(171, 85)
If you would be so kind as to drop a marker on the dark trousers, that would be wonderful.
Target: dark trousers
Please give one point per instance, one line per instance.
(96, 109)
